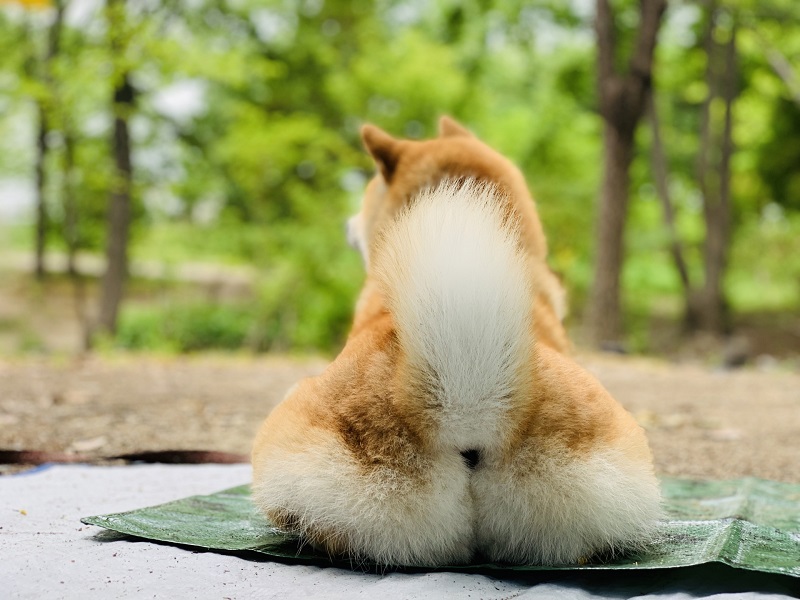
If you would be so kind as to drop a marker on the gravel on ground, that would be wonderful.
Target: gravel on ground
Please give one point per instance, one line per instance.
(701, 423)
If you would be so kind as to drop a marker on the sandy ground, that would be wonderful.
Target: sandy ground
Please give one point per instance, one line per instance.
(701, 423)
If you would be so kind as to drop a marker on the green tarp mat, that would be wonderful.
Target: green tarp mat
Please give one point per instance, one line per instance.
(746, 523)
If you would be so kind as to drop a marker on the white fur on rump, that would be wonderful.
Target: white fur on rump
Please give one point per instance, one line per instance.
(457, 285)
(553, 508)
(381, 515)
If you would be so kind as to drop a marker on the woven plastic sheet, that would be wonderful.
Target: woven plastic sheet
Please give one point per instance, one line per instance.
(747, 523)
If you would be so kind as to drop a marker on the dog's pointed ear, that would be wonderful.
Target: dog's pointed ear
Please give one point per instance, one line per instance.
(449, 127)
(382, 147)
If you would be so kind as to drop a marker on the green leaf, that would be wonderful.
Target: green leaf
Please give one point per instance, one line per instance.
(749, 524)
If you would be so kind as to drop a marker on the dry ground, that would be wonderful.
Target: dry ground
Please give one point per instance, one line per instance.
(700, 423)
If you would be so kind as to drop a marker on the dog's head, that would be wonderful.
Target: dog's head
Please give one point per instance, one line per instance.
(404, 167)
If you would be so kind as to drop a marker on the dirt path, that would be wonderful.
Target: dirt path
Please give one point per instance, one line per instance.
(700, 423)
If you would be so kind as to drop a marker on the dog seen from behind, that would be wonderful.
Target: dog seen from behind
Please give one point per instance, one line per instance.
(454, 425)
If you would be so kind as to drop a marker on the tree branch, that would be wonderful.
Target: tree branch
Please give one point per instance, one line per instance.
(641, 63)
(606, 40)
(781, 65)
(660, 176)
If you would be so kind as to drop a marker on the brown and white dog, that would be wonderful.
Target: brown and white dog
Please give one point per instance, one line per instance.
(453, 424)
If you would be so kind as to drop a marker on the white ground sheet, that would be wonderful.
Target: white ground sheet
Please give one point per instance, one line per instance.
(45, 552)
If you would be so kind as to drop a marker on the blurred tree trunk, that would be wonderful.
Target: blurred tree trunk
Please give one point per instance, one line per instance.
(708, 306)
(661, 179)
(118, 217)
(71, 238)
(70, 207)
(622, 102)
(44, 105)
(41, 183)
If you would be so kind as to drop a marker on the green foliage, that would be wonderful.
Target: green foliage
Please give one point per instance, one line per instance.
(779, 161)
(768, 277)
(184, 328)
(290, 311)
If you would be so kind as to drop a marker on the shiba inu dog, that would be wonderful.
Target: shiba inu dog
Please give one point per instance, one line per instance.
(453, 424)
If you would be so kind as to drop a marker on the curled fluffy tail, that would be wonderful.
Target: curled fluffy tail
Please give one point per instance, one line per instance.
(458, 286)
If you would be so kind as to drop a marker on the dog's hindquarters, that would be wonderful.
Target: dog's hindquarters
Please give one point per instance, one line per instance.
(366, 459)
(547, 489)
(346, 474)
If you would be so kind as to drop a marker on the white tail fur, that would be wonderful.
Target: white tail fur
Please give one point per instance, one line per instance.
(457, 284)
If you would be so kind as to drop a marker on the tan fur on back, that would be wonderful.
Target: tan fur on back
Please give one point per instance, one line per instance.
(457, 346)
